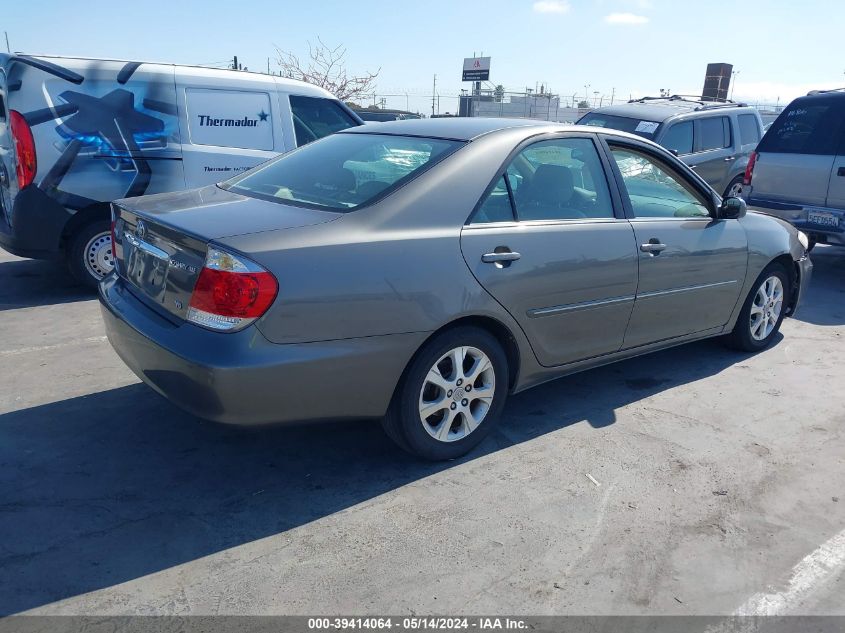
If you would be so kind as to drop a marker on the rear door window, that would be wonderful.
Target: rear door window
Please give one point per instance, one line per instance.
(230, 118)
(807, 126)
(714, 133)
(749, 131)
(315, 117)
(679, 138)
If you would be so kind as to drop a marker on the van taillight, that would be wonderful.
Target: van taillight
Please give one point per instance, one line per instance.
(27, 163)
(231, 292)
(749, 169)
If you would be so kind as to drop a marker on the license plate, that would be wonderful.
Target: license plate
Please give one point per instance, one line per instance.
(146, 265)
(823, 219)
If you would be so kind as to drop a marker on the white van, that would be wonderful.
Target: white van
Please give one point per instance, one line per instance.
(77, 133)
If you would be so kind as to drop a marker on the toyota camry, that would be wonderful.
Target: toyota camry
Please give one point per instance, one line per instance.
(420, 271)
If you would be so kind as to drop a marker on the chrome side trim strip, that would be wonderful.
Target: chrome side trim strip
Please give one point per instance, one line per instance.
(660, 293)
(573, 307)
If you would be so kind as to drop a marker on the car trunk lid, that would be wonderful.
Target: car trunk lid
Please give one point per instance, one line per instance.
(162, 240)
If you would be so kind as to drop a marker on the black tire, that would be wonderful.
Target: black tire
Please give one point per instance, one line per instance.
(403, 422)
(740, 338)
(736, 181)
(77, 254)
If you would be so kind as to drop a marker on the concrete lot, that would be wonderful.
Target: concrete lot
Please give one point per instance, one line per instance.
(719, 477)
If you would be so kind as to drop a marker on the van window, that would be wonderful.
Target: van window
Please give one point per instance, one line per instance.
(230, 118)
(749, 131)
(715, 133)
(807, 126)
(314, 117)
(679, 138)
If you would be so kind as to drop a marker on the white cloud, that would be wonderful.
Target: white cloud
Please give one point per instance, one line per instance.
(551, 6)
(625, 18)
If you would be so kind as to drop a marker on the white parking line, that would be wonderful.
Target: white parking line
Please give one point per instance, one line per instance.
(45, 348)
(812, 573)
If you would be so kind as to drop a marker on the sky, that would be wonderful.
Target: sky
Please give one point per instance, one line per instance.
(780, 48)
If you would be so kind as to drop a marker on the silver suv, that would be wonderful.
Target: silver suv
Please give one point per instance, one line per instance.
(714, 138)
(798, 170)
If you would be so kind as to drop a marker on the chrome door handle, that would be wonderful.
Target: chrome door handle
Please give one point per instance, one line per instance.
(507, 256)
(654, 247)
(730, 158)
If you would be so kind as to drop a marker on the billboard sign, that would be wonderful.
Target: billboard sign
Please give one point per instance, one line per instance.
(476, 69)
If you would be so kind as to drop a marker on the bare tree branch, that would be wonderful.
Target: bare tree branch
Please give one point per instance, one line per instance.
(325, 67)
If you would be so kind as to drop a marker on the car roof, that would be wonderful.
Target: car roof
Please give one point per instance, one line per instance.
(659, 110)
(469, 128)
(228, 74)
(455, 128)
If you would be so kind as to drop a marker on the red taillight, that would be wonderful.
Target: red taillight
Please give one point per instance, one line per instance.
(231, 292)
(749, 169)
(27, 163)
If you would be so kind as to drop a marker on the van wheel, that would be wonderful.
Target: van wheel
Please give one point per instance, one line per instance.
(90, 256)
(450, 396)
(763, 311)
(734, 189)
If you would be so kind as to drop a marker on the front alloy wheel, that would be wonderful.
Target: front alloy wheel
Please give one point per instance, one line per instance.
(766, 308)
(450, 395)
(763, 311)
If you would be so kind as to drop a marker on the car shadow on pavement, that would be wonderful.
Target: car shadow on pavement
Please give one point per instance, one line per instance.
(27, 283)
(824, 303)
(108, 487)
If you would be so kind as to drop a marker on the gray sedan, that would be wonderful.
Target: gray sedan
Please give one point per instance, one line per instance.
(420, 271)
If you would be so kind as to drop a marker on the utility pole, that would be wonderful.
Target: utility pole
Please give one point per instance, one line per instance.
(433, 94)
(612, 95)
(8, 50)
(268, 65)
(587, 93)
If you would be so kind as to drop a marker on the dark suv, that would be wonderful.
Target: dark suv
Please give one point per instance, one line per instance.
(714, 138)
(798, 170)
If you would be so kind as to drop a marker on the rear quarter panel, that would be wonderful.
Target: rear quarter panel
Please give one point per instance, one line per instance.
(394, 267)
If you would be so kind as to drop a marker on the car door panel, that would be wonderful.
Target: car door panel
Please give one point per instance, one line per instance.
(690, 286)
(691, 266)
(572, 288)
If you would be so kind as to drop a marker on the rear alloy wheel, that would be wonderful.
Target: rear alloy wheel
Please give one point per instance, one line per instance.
(451, 395)
(763, 311)
(734, 189)
(90, 256)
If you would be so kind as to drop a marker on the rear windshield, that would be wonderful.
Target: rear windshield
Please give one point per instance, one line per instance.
(641, 127)
(343, 171)
(807, 126)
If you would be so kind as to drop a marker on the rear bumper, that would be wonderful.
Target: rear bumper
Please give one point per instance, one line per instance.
(797, 215)
(242, 378)
(37, 225)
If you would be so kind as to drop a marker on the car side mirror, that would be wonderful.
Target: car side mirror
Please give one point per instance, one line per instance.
(732, 209)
